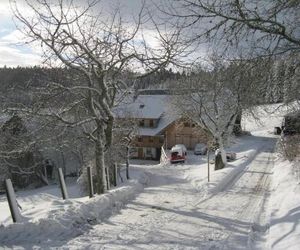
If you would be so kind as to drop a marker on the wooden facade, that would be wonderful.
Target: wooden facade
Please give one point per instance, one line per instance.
(178, 132)
(148, 123)
(157, 126)
(183, 132)
(147, 147)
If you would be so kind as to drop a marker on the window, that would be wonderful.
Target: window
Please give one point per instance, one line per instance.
(140, 139)
(150, 139)
(186, 124)
(151, 123)
(148, 152)
(142, 123)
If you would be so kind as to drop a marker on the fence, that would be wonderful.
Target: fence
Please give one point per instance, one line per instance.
(14, 206)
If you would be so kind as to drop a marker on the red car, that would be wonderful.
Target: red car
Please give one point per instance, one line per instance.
(178, 154)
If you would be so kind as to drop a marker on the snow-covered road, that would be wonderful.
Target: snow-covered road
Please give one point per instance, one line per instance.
(172, 214)
(173, 207)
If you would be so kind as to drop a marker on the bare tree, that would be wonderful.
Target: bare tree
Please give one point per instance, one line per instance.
(268, 27)
(215, 97)
(248, 29)
(20, 158)
(126, 132)
(99, 50)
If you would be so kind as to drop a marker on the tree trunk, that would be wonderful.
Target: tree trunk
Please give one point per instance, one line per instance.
(108, 132)
(218, 162)
(222, 150)
(99, 158)
(237, 129)
(221, 160)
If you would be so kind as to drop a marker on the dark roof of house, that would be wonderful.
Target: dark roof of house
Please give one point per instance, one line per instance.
(154, 92)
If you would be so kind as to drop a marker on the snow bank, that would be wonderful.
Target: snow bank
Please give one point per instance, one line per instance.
(223, 178)
(220, 179)
(37, 199)
(246, 148)
(284, 208)
(63, 219)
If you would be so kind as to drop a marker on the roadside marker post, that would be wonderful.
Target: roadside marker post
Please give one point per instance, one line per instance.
(12, 201)
(62, 184)
(208, 170)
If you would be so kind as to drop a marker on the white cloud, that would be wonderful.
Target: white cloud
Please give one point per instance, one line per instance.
(4, 9)
(13, 51)
(2, 30)
(13, 57)
(14, 37)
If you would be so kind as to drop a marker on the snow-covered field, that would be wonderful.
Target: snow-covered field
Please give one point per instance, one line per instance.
(251, 204)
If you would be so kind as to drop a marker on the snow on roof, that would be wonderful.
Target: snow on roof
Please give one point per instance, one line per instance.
(144, 106)
(148, 107)
(165, 120)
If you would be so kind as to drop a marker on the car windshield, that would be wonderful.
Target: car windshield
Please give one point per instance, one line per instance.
(199, 146)
(180, 146)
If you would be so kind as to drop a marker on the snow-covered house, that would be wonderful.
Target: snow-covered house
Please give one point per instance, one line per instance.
(158, 126)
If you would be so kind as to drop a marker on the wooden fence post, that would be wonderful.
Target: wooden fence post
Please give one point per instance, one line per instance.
(62, 184)
(12, 201)
(90, 180)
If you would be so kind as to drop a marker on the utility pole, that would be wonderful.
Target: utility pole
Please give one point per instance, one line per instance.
(208, 171)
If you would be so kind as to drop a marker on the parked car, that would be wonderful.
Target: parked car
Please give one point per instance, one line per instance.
(181, 146)
(277, 130)
(231, 156)
(200, 149)
(177, 154)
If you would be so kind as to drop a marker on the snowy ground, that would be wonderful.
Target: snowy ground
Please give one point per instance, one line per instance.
(282, 211)
(251, 204)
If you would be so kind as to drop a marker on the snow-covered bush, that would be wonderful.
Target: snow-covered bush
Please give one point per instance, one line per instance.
(296, 167)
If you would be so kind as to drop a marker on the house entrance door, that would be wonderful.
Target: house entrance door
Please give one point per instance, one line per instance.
(187, 141)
